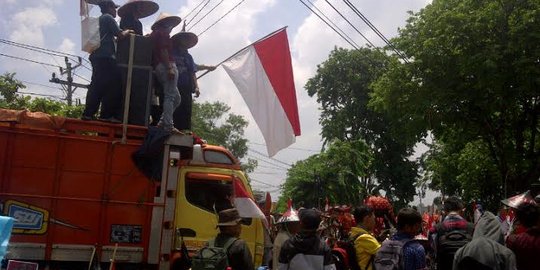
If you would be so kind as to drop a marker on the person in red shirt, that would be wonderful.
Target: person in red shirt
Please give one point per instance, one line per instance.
(526, 245)
(165, 67)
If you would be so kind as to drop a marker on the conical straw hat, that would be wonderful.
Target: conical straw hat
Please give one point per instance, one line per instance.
(166, 19)
(145, 8)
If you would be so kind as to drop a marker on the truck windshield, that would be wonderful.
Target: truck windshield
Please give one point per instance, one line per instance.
(209, 194)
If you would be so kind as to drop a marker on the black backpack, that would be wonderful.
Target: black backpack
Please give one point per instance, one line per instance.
(448, 242)
(212, 257)
(348, 246)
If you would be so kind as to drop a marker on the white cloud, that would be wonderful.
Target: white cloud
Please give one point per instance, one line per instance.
(28, 25)
(67, 46)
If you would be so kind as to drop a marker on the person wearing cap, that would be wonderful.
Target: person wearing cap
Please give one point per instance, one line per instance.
(238, 254)
(105, 86)
(289, 225)
(306, 250)
(187, 80)
(165, 68)
(132, 11)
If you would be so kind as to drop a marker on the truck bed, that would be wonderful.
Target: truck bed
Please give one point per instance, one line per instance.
(74, 190)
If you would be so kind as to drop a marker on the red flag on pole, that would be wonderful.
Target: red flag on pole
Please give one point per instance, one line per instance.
(263, 74)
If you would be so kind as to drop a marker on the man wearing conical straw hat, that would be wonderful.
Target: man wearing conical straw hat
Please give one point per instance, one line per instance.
(132, 11)
(105, 88)
(165, 68)
(187, 80)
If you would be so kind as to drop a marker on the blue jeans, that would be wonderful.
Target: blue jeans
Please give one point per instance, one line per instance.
(171, 96)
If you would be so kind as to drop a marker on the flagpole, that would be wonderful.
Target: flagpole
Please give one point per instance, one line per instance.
(234, 54)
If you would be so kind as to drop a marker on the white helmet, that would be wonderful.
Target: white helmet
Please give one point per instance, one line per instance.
(290, 215)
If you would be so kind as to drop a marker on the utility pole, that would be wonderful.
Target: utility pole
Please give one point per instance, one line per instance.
(69, 86)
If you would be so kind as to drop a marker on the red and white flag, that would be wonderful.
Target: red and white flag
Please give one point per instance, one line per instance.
(244, 202)
(263, 74)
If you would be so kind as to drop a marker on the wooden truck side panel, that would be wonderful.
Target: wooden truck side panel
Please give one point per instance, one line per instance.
(74, 192)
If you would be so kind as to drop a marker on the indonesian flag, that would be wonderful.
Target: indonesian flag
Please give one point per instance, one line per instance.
(262, 72)
(244, 203)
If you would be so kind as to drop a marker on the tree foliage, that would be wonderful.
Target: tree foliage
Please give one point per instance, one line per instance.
(473, 81)
(343, 89)
(339, 173)
(214, 123)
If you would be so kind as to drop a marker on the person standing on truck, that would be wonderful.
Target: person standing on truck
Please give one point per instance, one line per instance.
(187, 80)
(132, 11)
(165, 68)
(105, 86)
(238, 254)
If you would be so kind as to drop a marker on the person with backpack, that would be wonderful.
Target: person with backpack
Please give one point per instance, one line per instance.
(289, 225)
(227, 249)
(486, 250)
(364, 243)
(451, 234)
(402, 251)
(306, 250)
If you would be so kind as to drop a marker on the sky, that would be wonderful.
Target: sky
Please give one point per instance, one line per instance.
(55, 25)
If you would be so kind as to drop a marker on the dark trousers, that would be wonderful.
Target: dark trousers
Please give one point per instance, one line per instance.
(105, 88)
(182, 114)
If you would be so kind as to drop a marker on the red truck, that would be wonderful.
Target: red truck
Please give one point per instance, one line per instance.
(78, 198)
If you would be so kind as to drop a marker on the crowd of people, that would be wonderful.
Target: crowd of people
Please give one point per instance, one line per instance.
(451, 242)
(174, 68)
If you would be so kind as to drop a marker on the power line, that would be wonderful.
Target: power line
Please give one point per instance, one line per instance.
(26, 59)
(196, 14)
(268, 162)
(341, 35)
(274, 159)
(38, 94)
(39, 84)
(218, 20)
(38, 49)
(290, 148)
(262, 182)
(81, 77)
(368, 22)
(205, 15)
(336, 26)
(272, 168)
(196, 7)
(347, 20)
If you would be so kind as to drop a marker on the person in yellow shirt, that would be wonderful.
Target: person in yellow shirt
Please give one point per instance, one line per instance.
(365, 245)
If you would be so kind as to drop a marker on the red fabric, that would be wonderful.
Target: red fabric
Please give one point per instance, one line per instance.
(526, 247)
(275, 57)
(160, 41)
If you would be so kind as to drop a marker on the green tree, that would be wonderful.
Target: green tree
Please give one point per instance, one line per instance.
(214, 123)
(338, 173)
(473, 81)
(343, 89)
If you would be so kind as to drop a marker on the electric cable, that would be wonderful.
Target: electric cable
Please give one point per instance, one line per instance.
(196, 14)
(205, 15)
(274, 159)
(224, 15)
(349, 22)
(341, 35)
(26, 59)
(196, 7)
(370, 25)
(335, 25)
